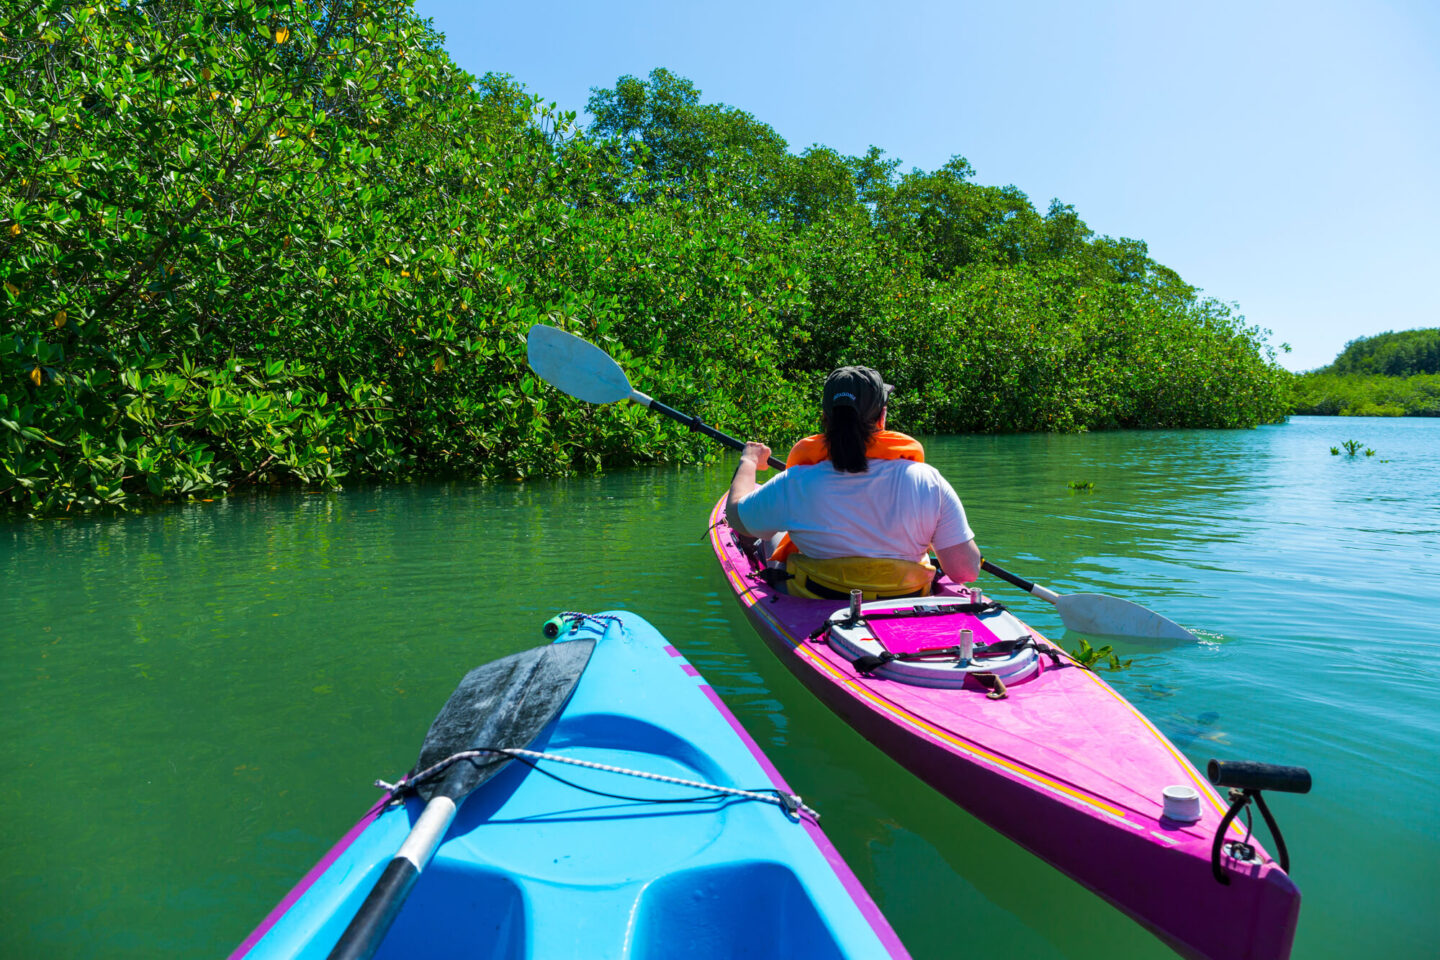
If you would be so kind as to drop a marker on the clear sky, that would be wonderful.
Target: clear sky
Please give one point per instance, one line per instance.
(1281, 155)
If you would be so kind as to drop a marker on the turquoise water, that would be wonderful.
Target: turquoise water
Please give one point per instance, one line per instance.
(199, 698)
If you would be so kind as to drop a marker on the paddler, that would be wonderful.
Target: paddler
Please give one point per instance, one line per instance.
(861, 507)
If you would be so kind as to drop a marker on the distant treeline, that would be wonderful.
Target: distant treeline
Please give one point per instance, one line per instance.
(1387, 375)
(245, 244)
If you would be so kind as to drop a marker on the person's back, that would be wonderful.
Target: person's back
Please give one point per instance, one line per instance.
(856, 492)
(896, 509)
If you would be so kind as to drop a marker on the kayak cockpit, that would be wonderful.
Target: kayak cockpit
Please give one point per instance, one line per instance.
(464, 909)
(934, 642)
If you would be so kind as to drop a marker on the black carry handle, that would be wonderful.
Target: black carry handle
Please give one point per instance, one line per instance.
(1246, 780)
(1249, 775)
(700, 426)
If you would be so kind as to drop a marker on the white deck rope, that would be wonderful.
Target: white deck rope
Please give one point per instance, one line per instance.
(787, 801)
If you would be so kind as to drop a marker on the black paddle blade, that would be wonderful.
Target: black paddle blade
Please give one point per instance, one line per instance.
(505, 703)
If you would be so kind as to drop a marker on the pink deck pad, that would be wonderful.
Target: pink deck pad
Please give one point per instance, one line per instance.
(912, 634)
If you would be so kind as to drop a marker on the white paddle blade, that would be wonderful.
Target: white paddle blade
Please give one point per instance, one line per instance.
(575, 366)
(1097, 613)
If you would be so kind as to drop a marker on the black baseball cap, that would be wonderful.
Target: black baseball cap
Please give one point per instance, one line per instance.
(858, 387)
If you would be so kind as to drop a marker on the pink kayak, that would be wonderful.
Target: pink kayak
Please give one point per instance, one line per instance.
(1039, 748)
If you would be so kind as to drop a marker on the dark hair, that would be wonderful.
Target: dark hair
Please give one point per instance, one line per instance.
(847, 437)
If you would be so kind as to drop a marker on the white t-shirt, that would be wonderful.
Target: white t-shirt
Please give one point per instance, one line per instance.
(896, 509)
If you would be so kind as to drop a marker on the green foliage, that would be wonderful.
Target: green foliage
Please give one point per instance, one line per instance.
(247, 244)
(1402, 354)
(1084, 486)
(1352, 447)
(1356, 395)
(1092, 658)
(1388, 375)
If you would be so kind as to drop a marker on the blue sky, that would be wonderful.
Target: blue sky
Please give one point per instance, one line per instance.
(1281, 155)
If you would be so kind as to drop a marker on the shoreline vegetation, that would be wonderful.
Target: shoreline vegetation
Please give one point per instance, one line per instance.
(1387, 375)
(247, 245)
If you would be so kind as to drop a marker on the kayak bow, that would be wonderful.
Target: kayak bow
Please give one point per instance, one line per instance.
(535, 868)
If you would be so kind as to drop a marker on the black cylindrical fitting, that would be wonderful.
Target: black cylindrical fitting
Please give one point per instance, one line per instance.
(1249, 775)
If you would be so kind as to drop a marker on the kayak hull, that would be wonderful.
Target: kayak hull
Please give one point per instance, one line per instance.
(535, 868)
(1064, 766)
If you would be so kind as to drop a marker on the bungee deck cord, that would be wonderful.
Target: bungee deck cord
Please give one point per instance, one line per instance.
(789, 802)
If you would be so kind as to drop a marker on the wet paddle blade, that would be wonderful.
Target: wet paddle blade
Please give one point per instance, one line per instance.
(506, 703)
(575, 366)
(501, 704)
(1096, 613)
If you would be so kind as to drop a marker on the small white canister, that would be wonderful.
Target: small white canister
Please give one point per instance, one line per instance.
(1182, 804)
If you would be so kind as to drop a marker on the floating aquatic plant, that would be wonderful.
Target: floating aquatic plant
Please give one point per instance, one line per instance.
(1092, 658)
(1352, 447)
(1085, 485)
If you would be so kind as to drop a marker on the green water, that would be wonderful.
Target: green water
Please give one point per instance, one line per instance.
(198, 699)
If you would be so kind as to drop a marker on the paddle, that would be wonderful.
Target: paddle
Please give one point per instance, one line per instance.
(586, 372)
(1098, 613)
(505, 703)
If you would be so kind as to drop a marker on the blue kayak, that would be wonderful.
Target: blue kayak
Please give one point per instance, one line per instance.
(534, 866)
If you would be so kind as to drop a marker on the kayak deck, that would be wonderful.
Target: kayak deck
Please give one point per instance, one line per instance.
(533, 867)
(1064, 765)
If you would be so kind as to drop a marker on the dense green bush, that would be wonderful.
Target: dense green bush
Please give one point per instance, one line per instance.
(244, 243)
(1355, 395)
(1402, 354)
(1387, 375)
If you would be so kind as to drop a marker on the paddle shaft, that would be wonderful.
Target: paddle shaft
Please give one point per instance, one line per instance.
(377, 914)
(1018, 581)
(696, 424)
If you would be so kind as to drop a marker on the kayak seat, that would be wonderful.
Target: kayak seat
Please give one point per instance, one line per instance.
(749, 908)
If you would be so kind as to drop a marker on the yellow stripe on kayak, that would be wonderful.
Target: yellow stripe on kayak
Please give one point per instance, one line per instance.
(1205, 788)
(936, 732)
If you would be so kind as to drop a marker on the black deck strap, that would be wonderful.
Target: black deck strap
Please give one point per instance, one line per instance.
(870, 663)
(928, 610)
(775, 576)
(750, 546)
(937, 610)
(1028, 641)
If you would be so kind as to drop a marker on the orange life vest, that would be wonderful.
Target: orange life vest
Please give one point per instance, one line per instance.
(885, 445)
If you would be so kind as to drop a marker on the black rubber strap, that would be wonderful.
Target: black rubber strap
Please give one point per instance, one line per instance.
(1274, 831)
(929, 610)
(870, 662)
(1219, 842)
